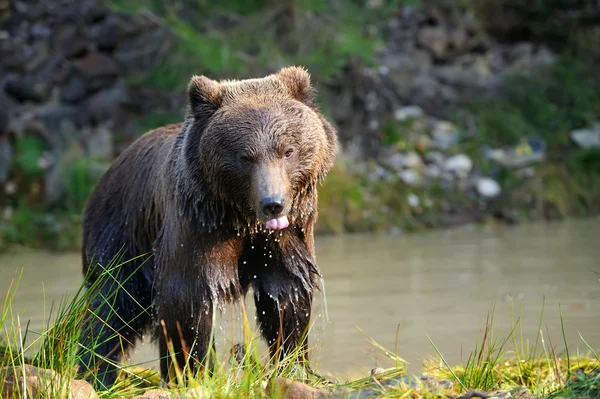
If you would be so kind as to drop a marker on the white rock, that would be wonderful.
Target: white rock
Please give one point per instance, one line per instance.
(488, 188)
(410, 177)
(459, 164)
(412, 160)
(444, 134)
(411, 111)
(587, 138)
(413, 200)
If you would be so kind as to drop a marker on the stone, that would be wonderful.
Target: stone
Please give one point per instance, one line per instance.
(409, 112)
(527, 152)
(112, 30)
(98, 70)
(414, 202)
(69, 41)
(42, 384)
(434, 39)
(412, 160)
(98, 142)
(460, 165)
(444, 135)
(75, 89)
(410, 177)
(588, 137)
(155, 394)
(81, 389)
(488, 188)
(6, 153)
(286, 388)
(37, 56)
(40, 31)
(13, 53)
(108, 104)
(27, 89)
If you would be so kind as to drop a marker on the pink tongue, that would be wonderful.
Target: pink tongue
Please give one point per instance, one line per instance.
(278, 224)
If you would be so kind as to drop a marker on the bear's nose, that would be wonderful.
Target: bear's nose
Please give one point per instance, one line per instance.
(272, 206)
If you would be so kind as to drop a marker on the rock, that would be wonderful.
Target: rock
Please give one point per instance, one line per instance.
(409, 112)
(488, 188)
(97, 70)
(112, 30)
(413, 202)
(587, 138)
(40, 31)
(4, 118)
(433, 171)
(434, 39)
(412, 160)
(528, 152)
(444, 134)
(108, 104)
(98, 142)
(75, 89)
(69, 41)
(410, 177)
(37, 56)
(460, 165)
(27, 89)
(156, 394)
(43, 383)
(81, 389)
(435, 158)
(5, 157)
(288, 389)
(53, 117)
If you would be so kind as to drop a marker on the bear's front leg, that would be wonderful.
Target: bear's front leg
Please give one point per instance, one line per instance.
(283, 306)
(184, 328)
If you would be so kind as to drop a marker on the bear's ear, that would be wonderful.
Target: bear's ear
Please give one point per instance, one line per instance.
(204, 94)
(297, 81)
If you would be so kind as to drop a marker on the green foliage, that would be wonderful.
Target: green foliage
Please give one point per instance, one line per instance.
(29, 151)
(241, 38)
(547, 103)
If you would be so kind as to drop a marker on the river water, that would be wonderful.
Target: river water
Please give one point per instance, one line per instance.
(402, 289)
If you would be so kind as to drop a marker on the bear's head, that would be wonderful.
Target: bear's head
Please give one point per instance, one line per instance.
(259, 144)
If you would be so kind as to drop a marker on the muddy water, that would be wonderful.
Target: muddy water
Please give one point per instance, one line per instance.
(440, 284)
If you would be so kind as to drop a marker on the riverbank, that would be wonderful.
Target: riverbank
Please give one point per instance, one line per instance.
(499, 367)
(446, 116)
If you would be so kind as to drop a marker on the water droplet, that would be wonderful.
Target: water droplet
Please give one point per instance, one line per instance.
(253, 247)
(265, 265)
(255, 276)
(244, 262)
(263, 312)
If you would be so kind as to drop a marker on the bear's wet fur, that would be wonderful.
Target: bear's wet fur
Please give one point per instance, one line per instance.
(221, 202)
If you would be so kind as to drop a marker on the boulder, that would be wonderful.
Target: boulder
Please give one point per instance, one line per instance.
(42, 384)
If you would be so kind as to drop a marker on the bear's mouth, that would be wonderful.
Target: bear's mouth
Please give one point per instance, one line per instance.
(278, 223)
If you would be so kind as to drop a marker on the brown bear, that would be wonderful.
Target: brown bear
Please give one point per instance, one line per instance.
(221, 202)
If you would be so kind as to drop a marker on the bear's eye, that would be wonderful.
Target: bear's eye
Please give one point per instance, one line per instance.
(246, 159)
(289, 152)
